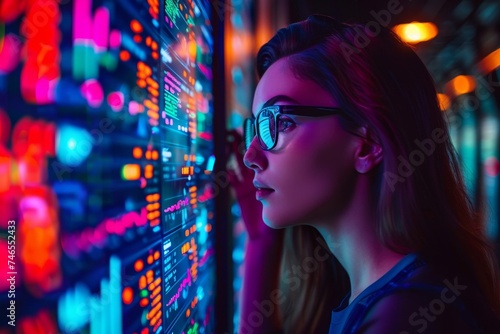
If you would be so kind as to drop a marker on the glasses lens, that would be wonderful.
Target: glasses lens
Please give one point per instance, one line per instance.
(267, 129)
(248, 132)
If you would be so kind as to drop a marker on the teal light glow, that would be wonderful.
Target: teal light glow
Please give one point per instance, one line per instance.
(211, 163)
(73, 145)
(73, 309)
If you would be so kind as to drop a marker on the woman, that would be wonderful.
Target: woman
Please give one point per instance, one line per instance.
(349, 142)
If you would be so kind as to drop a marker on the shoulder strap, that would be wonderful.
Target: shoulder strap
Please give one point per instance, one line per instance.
(397, 284)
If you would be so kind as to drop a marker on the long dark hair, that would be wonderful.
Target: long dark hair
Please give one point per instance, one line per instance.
(379, 81)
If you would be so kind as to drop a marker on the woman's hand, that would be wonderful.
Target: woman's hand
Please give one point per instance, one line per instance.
(263, 249)
(240, 176)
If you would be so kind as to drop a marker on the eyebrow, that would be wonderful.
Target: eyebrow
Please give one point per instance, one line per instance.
(277, 98)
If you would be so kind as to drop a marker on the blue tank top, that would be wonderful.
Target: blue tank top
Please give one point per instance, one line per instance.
(347, 318)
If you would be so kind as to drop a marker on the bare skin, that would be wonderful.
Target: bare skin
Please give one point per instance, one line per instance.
(320, 175)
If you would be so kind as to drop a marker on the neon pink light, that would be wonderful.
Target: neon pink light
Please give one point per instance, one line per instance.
(82, 25)
(45, 90)
(207, 194)
(116, 100)
(205, 136)
(206, 256)
(173, 81)
(10, 53)
(115, 39)
(207, 71)
(134, 108)
(101, 29)
(82, 242)
(492, 167)
(185, 282)
(75, 244)
(181, 203)
(35, 210)
(168, 81)
(92, 92)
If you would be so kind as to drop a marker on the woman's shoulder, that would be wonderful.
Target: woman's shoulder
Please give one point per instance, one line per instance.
(428, 298)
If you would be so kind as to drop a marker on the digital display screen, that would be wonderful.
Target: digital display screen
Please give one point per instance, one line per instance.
(106, 161)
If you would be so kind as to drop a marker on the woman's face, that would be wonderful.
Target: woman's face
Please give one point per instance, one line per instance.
(310, 172)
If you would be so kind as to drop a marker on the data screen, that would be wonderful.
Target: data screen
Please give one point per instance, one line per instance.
(106, 161)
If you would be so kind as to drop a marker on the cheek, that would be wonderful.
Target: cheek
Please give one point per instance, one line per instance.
(314, 171)
(325, 152)
(323, 167)
(304, 197)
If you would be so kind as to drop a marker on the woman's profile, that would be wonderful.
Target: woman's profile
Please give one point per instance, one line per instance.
(360, 221)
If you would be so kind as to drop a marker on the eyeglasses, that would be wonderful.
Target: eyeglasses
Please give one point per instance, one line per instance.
(267, 123)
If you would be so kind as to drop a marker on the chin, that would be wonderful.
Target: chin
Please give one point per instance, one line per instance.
(273, 224)
(279, 222)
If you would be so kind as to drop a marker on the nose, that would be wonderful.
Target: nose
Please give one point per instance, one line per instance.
(254, 157)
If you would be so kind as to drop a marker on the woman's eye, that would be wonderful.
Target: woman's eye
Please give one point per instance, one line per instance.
(285, 124)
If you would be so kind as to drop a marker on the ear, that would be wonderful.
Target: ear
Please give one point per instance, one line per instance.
(368, 153)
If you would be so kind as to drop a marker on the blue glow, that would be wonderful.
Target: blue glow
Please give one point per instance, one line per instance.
(237, 75)
(238, 255)
(73, 145)
(237, 283)
(115, 280)
(142, 127)
(211, 163)
(129, 44)
(200, 293)
(236, 210)
(200, 159)
(201, 222)
(237, 21)
(197, 86)
(105, 301)
(73, 309)
(185, 293)
(96, 325)
(235, 120)
(144, 317)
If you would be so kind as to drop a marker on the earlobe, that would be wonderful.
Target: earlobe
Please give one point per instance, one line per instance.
(368, 155)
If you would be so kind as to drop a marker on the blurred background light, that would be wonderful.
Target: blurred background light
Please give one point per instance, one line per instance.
(490, 62)
(416, 32)
(73, 145)
(461, 84)
(444, 101)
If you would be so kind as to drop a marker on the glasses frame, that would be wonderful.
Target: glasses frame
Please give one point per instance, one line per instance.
(250, 130)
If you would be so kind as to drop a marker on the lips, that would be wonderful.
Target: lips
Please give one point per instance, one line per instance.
(263, 190)
(263, 193)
